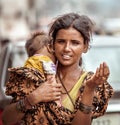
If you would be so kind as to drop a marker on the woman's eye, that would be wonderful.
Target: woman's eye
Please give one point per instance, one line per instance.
(74, 42)
(60, 41)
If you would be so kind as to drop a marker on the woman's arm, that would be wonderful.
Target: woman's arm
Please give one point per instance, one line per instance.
(11, 115)
(46, 92)
(100, 76)
(82, 118)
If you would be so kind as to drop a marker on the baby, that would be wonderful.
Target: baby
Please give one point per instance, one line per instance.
(39, 67)
(41, 56)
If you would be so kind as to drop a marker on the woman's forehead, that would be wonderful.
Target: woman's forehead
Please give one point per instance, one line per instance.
(71, 32)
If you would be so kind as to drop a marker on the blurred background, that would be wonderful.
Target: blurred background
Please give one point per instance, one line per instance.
(19, 17)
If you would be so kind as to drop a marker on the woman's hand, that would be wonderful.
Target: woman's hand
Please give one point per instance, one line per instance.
(100, 76)
(48, 91)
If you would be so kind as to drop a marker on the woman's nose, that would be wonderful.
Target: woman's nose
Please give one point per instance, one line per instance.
(67, 46)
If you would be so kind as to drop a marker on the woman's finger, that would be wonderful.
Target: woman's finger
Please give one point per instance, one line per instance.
(106, 69)
(97, 73)
(101, 70)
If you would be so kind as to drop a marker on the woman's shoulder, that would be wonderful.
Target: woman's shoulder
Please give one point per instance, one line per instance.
(87, 75)
(82, 79)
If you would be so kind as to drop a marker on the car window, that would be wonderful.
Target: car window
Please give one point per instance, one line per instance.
(19, 56)
(2, 59)
(111, 55)
(16, 59)
(11, 56)
(4, 63)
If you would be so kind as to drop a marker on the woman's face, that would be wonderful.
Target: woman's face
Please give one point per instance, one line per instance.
(69, 46)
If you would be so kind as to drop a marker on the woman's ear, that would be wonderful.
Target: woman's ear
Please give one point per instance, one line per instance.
(50, 48)
(85, 48)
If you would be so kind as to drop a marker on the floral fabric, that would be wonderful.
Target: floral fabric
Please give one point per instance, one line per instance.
(23, 81)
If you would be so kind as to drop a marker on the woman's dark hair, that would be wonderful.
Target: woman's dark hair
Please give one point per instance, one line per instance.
(79, 22)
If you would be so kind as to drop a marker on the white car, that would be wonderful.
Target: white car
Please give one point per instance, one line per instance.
(106, 49)
(12, 55)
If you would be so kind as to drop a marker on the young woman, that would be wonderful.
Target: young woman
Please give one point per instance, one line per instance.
(84, 94)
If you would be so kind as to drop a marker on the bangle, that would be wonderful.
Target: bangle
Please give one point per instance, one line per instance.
(85, 108)
(28, 105)
(23, 105)
(20, 106)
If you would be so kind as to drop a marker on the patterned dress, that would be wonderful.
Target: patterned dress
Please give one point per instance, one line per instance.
(23, 81)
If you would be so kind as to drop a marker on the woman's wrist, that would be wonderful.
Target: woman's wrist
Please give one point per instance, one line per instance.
(88, 90)
(86, 109)
(33, 98)
(85, 105)
(27, 103)
(88, 95)
(23, 105)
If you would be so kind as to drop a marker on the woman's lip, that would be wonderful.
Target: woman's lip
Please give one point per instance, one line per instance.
(64, 56)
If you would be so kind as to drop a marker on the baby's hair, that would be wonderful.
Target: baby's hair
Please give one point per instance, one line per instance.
(37, 41)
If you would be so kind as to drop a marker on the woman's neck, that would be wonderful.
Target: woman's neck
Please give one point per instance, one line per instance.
(69, 70)
(68, 76)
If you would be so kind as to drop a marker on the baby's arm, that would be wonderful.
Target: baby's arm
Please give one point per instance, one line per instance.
(50, 73)
(49, 67)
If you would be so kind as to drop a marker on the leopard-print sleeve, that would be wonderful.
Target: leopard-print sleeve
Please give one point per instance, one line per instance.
(101, 98)
(22, 81)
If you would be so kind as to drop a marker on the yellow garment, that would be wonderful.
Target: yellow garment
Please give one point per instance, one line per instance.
(35, 62)
(73, 94)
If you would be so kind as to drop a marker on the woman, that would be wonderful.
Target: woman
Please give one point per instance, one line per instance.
(80, 91)
(71, 37)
